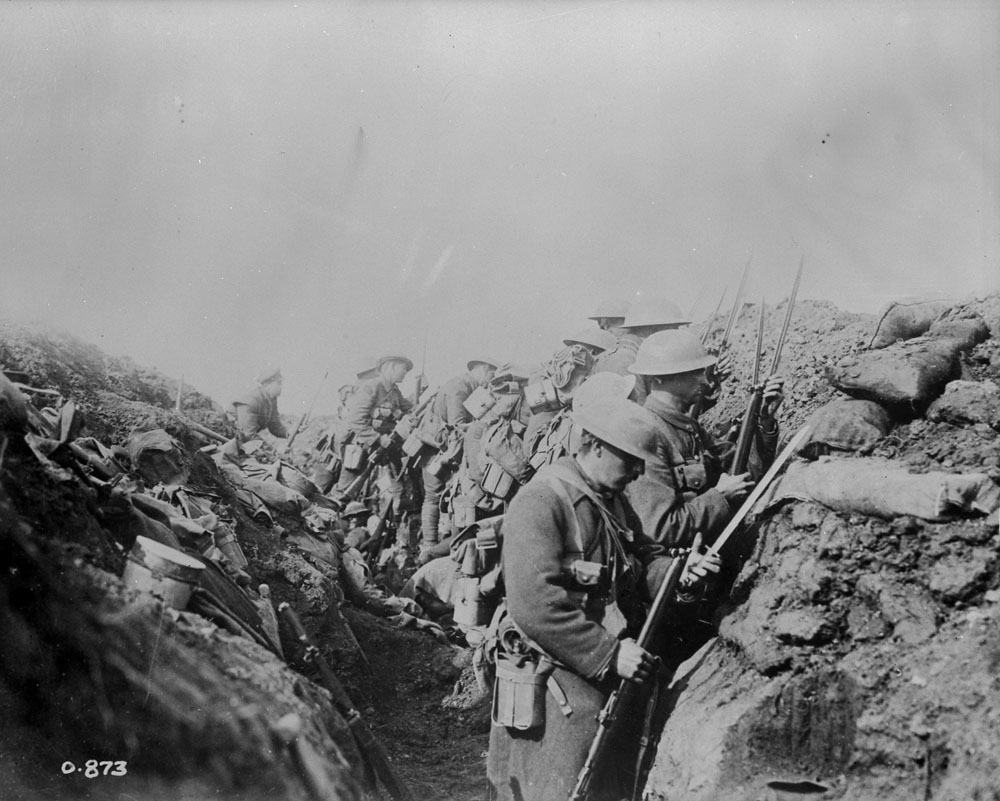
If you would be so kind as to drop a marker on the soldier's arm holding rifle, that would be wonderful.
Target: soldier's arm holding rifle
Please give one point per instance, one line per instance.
(697, 567)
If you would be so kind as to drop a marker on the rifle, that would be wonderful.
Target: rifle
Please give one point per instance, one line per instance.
(699, 406)
(619, 700)
(737, 306)
(616, 707)
(379, 536)
(752, 414)
(305, 414)
(748, 427)
(370, 748)
(762, 485)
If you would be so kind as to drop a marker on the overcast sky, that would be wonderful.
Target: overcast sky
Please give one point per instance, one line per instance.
(210, 187)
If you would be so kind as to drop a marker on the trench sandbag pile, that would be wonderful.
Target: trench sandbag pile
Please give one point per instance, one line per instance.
(965, 402)
(908, 374)
(963, 326)
(902, 321)
(882, 488)
(845, 425)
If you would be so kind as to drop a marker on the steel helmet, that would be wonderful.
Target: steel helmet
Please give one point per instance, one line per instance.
(621, 423)
(592, 337)
(269, 374)
(355, 508)
(671, 352)
(610, 308)
(655, 311)
(394, 358)
(601, 386)
(494, 363)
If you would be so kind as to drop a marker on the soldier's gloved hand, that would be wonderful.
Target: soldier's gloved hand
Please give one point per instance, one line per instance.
(699, 565)
(385, 440)
(733, 488)
(633, 661)
(774, 394)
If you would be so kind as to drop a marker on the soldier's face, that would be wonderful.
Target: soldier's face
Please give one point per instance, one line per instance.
(617, 468)
(272, 388)
(483, 373)
(396, 371)
(689, 387)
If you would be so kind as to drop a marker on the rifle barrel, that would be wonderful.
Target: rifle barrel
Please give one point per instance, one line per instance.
(760, 345)
(711, 320)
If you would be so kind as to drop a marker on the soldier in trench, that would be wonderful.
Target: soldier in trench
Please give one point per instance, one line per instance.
(577, 567)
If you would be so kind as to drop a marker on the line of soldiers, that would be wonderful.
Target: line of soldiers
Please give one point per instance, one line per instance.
(604, 475)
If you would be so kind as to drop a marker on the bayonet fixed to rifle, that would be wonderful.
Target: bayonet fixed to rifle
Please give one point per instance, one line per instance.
(371, 748)
(711, 320)
(748, 427)
(617, 705)
(699, 406)
(305, 414)
(737, 306)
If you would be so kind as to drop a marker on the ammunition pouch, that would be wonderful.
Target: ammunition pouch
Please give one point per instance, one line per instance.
(519, 690)
(691, 476)
(497, 481)
(479, 402)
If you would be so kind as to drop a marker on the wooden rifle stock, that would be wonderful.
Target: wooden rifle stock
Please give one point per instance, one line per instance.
(370, 747)
(621, 698)
(378, 536)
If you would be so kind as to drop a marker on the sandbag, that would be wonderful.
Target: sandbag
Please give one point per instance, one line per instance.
(906, 376)
(965, 327)
(845, 425)
(965, 402)
(901, 321)
(883, 488)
